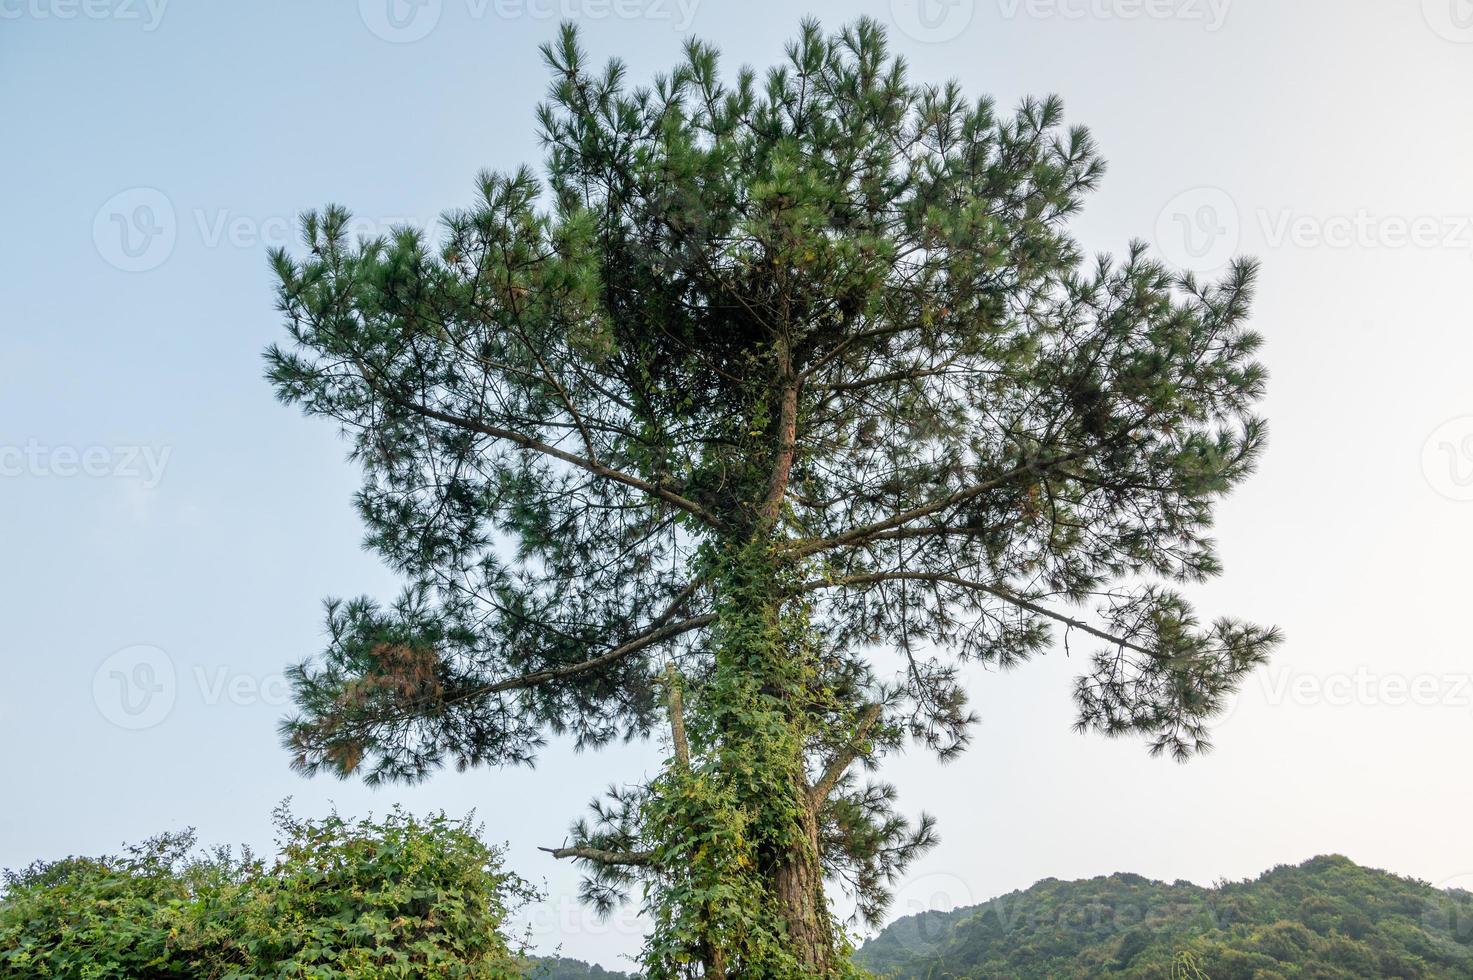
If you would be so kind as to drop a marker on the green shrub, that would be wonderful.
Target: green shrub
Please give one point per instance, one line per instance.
(396, 898)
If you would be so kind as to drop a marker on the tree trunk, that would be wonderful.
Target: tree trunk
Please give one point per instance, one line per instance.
(761, 724)
(797, 884)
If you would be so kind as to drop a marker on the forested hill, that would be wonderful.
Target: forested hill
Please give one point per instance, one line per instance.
(558, 968)
(1326, 918)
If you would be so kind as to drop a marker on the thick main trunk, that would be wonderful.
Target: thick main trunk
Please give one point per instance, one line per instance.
(797, 885)
(761, 728)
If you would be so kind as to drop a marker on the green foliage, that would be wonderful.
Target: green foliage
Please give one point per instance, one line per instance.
(1327, 919)
(106, 918)
(560, 968)
(397, 898)
(794, 383)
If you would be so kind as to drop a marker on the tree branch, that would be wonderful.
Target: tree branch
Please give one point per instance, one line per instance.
(536, 445)
(592, 466)
(600, 856)
(867, 532)
(975, 586)
(677, 717)
(617, 653)
(845, 757)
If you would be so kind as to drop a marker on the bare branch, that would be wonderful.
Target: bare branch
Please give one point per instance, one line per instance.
(868, 532)
(845, 757)
(600, 856)
(524, 441)
(677, 717)
(975, 586)
(602, 660)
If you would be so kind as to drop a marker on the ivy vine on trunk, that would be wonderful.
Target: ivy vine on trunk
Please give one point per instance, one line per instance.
(776, 399)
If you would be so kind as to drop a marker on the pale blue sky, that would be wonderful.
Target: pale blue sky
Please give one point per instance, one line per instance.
(168, 527)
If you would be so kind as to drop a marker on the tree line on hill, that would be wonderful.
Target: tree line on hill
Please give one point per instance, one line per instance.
(1326, 918)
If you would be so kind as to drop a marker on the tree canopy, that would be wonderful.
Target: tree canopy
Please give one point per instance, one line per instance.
(769, 381)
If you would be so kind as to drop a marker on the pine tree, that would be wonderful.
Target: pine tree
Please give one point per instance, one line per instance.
(768, 384)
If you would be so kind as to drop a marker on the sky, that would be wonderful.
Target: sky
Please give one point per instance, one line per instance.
(168, 530)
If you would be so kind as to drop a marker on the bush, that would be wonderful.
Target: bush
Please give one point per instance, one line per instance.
(397, 898)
